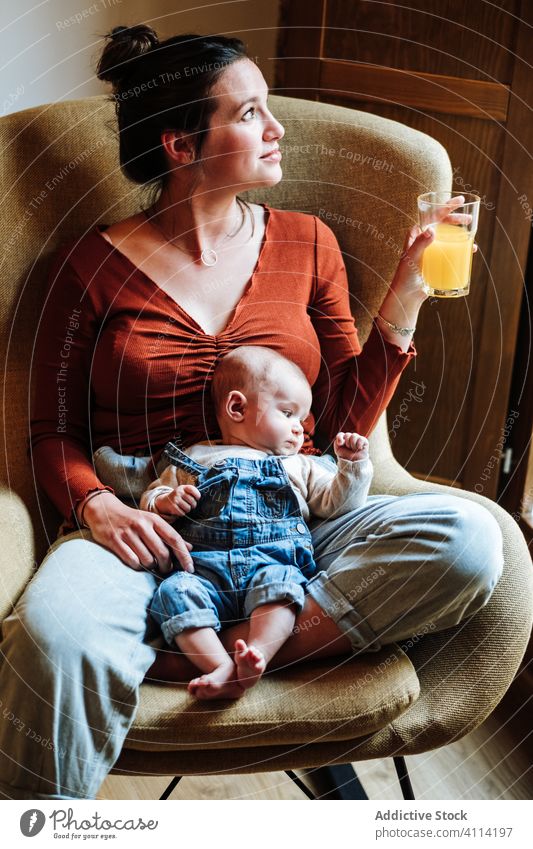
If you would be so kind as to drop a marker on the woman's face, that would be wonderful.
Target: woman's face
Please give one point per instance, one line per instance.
(242, 131)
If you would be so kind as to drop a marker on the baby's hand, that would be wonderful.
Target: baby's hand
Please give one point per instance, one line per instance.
(179, 502)
(351, 446)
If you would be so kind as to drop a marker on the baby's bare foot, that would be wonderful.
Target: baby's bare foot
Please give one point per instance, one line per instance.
(221, 683)
(250, 664)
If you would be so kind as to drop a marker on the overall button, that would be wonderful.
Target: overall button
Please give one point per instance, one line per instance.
(219, 463)
(300, 527)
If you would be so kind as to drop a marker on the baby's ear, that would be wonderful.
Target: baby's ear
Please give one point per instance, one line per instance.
(236, 404)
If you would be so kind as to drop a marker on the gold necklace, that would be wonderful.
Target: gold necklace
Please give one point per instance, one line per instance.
(208, 256)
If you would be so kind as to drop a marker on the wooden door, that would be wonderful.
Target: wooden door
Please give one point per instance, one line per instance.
(458, 72)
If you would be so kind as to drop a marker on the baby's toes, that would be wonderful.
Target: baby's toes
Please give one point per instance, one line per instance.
(240, 647)
(256, 658)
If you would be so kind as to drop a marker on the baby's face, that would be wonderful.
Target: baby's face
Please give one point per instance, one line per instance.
(275, 414)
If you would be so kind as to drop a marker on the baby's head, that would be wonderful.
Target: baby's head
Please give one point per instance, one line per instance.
(261, 399)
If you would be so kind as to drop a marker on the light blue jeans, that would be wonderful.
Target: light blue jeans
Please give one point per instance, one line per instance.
(80, 640)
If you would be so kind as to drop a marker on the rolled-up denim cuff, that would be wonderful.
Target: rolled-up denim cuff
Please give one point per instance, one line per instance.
(191, 619)
(271, 593)
(334, 603)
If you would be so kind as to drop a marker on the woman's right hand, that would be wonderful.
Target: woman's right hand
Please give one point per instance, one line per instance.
(142, 540)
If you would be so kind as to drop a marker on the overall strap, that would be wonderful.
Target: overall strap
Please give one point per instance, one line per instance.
(175, 456)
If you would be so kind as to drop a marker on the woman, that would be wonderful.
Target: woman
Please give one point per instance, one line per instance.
(150, 303)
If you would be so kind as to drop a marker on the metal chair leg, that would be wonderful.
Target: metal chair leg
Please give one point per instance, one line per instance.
(334, 782)
(174, 783)
(403, 777)
(330, 782)
(299, 783)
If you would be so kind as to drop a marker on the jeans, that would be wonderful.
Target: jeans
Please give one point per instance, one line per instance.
(251, 545)
(79, 642)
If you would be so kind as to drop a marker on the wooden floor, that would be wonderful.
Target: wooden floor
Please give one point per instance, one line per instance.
(494, 762)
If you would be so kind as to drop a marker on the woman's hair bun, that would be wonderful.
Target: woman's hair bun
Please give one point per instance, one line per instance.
(161, 84)
(124, 46)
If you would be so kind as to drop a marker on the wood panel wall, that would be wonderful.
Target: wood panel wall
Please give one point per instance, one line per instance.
(458, 72)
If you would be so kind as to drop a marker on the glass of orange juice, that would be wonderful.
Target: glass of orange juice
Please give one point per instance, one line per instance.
(447, 261)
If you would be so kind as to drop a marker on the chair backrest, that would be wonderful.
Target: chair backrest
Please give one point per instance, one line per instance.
(60, 175)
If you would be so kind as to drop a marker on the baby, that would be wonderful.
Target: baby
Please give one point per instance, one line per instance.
(242, 501)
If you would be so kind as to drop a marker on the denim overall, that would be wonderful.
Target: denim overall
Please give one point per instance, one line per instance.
(251, 545)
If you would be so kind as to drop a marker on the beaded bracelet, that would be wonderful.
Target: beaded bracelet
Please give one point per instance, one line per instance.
(85, 503)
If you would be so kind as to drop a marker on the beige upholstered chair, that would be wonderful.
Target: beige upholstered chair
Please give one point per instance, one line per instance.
(59, 176)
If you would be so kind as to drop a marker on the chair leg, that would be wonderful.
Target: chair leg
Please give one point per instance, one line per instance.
(330, 782)
(174, 783)
(333, 782)
(403, 777)
(299, 783)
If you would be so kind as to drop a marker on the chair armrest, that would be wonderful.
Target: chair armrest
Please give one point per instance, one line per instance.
(390, 477)
(477, 659)
(17, 551)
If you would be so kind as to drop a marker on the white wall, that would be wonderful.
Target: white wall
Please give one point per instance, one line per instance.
(49, 48)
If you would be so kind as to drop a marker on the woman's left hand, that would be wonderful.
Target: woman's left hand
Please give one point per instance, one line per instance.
(407, 280)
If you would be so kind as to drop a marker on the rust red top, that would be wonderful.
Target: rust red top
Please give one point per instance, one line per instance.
(118, 362)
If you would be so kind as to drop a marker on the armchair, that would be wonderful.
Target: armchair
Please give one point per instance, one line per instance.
(60, 175)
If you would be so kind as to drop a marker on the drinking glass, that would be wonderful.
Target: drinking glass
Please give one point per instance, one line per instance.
(447, 261)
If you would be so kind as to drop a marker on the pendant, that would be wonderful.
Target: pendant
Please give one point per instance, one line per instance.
(209, 257)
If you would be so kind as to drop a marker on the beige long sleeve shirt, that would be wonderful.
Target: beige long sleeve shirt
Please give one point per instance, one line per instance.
(321, 491)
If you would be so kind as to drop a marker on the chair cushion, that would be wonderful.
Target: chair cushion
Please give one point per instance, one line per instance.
(333, 699)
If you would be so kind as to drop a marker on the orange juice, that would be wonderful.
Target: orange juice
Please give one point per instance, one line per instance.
(447, 261)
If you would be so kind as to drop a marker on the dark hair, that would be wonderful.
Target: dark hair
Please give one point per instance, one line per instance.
(162, 85)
